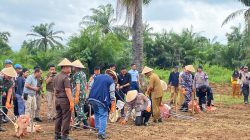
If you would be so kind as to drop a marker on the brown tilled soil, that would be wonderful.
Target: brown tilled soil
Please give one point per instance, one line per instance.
(226, 123)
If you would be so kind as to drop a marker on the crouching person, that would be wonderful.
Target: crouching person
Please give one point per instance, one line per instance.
(203, 92)
(142, 106)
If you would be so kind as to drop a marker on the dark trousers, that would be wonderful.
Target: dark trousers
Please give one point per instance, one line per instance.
(120, 95)
(4, 98)
(134, 86)
(16, 113)
(203, 95)
(245, 91)
(63, 116)
(144, 118)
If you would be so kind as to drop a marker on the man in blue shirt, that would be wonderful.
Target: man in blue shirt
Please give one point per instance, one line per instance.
(134, 78)
(102, 95)
(173, 82)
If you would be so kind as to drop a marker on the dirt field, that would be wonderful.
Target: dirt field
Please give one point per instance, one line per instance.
(226, 123)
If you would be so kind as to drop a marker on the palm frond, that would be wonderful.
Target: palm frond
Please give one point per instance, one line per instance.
(232, 16)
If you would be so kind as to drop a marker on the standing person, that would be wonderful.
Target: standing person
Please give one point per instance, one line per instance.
(123, 86)
(102, 95)
(29, 91)
(187, 86)
(64, 102)
(181, 96)
(97, 71)
(134, 77)
(174, 84)
(235, 84)
(18, 69)
(7, 63)
(39, 95)
(155, 91)
(112, 67)
(49, 79)
(79, 92)
(6, 87)
(245, 77)
(19, 91)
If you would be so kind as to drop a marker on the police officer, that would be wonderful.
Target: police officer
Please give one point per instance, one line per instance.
(64, 102)
(79, 92)
(6, 87)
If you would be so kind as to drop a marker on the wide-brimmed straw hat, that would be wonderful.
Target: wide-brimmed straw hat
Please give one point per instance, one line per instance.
(65, 62)
(131, 95)
(10, 71)
(190, 68)
(78, 64)
(146, 70)
(111, 72)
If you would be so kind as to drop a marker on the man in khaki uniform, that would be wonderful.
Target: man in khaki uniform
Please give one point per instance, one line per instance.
(64, 102)
(155, 91)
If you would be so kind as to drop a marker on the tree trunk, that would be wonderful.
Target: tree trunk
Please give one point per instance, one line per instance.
(138, 36)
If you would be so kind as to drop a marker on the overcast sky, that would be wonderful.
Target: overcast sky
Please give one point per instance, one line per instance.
(206, 16)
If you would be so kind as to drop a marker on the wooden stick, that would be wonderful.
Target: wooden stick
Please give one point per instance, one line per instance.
(192, 102)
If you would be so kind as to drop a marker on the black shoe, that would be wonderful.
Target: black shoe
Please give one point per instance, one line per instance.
(2, 129)
(160, 120)
(66, 138)
(58, 137)
(101, 137)
(38, 120)
(155, 121)
(145, 124)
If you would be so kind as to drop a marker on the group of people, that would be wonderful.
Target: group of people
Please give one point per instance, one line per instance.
(240, 83)
(187, 83)
(69, 92)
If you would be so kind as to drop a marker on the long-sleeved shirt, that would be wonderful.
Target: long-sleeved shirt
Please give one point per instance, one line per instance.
(139, 104)
(20, 85)
(245, 77)
(187, 81)
(174, 79)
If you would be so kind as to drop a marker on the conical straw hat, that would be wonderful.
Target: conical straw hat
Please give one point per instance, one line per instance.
(109, 71)
(65, 62)
(10, 71)
(190, 68)
(131, 95)
(78, 64)
(146, 70)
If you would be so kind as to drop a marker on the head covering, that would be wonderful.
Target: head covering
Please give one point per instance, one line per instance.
(111, 72)
(65, 62)
(245, 67)
(78, 64)
(146, 70)
(17, 66)
(190, 68)
(131, 95)
(8, 61)
(176, 67)
(11, 72)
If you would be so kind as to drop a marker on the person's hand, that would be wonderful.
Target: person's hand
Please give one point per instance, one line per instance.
(36, 88)
(8, 105)
(76, 100)
(112, 109)
(148, 109)
(123, 122)
(121, 87)
(71, 104)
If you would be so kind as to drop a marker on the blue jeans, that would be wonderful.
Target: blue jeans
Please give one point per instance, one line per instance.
(21, 104)
(134, 86)
(101, 116)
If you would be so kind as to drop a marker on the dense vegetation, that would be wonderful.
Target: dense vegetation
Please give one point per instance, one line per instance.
(100, 42)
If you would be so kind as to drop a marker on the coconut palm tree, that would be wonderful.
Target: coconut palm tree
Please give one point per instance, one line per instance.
(46, 37)
(4, 36)
(103, 16)
(133, 10)
(245, 12)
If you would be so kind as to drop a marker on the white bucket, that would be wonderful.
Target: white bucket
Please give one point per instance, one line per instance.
(120, 104)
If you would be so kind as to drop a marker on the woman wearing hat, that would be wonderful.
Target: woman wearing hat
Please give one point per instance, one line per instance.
(6, 86)
(79, 92)
(187, 86)
(102, 95)
(142, 106)
(155, 91)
